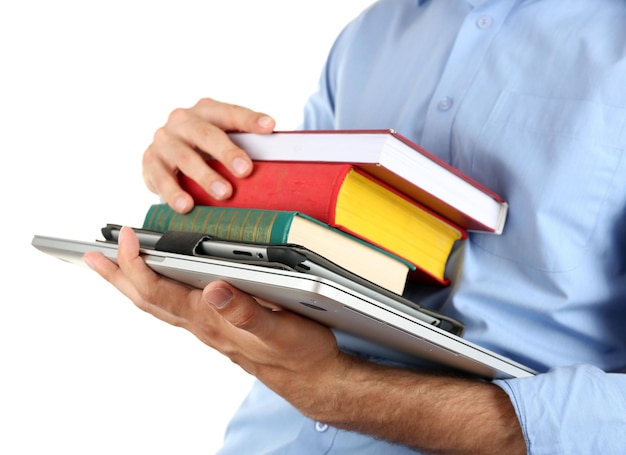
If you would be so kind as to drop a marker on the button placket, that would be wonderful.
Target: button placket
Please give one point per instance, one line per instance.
(464, 63)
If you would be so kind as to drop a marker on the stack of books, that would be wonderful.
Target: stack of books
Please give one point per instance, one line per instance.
(372, 202)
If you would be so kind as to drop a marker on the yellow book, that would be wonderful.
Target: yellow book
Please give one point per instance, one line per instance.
(374, 212)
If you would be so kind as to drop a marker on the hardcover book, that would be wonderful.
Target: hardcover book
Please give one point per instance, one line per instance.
(393, 159)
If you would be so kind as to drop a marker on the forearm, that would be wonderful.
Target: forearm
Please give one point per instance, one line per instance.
(433, 413)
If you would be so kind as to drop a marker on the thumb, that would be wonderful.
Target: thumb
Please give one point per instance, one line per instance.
(240, 309)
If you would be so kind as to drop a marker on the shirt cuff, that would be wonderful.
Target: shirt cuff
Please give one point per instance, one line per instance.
(571, 410)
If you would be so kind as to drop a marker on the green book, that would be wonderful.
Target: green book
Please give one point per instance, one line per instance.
(286, 227)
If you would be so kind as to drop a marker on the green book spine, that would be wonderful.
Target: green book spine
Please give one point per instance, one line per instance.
(248, 225)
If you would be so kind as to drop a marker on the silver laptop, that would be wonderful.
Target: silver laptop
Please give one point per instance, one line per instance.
(362, 323)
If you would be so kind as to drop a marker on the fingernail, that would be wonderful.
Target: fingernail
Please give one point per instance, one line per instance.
(219, 298)
(264, 121)
(218, 189)
(180, 204)
(240, 166)
(90, 264)
(122, 235)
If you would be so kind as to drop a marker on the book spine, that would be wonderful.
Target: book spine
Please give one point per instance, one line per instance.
(305, 187)
(236, 224)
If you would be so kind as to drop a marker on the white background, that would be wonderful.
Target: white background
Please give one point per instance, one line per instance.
(83, 86)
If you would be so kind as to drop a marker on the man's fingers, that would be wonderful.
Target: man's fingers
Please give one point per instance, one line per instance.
(186, 126)
(207, 125)
(162, 181)
(201, 128)
(108, 270)
(161, 169)
(232, 117)
(128, 252)
(166, 299)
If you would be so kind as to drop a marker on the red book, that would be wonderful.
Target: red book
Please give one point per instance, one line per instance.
(300, 186)
(345, 197)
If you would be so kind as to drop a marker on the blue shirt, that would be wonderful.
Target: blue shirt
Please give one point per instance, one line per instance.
(528, 98)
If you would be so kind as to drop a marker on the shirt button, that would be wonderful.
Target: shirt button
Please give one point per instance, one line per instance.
(484, 22)
(320, 427)
(445, 103)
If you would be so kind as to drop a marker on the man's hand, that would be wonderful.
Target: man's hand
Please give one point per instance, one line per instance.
(287, 352)
(191, 135)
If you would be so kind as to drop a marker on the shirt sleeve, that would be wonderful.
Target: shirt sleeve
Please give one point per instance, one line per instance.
(571, 410)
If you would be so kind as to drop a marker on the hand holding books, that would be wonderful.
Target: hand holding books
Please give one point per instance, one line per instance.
(177, 144)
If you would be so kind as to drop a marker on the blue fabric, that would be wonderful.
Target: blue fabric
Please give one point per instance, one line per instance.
(528, 98)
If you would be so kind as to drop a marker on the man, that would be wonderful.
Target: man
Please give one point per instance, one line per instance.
(528, 98)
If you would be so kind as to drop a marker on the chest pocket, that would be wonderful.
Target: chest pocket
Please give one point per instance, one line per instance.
(555, 161)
